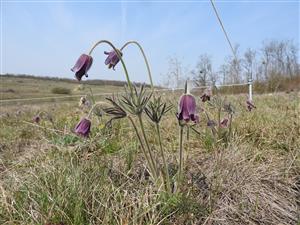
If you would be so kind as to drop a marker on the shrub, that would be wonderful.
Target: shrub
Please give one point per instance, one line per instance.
(61, 90)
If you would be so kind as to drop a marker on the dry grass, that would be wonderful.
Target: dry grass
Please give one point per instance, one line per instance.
(49, 177)
(16, 87)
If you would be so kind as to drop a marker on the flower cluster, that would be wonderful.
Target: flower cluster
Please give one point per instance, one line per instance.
(140, 101)
(85, 62)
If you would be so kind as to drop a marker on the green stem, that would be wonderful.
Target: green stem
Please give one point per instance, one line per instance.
(144, 56)
(187, 133)
(230, 120)
(168, 184)
(143, 148)
(219, 123)
(180, 152)
(197, 132)
(92, 94)
(119, 56)
(91, 110)
(213, 129)
(147, 143)
(186, 87)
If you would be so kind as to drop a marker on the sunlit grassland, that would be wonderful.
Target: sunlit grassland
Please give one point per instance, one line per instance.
(53, 176)
(15, 87)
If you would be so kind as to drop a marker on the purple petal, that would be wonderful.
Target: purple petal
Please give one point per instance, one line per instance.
(108, 59)
(82, 66)
(36, 119)
(187, 108)
(79, 63)
(83, 127)
(224, 123)
(195, 118)
(112, 58)
(191, 104)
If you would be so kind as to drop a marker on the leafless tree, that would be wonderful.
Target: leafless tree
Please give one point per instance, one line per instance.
(292, 65)
(249, 64)
(275, 59)
(280, 59)
(203, 74)
(224, 72)
(234, 65)
(175, 74)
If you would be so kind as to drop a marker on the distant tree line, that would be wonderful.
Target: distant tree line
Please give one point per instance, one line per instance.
(273, 61)
(90, 82)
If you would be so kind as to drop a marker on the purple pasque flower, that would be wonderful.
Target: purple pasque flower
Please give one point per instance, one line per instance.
(36, 119)
(250, 105)
(206, 95)
(211, 123)
(82, 66)
(83, 127)
(187, 109)
(224, 123)
(112, 58)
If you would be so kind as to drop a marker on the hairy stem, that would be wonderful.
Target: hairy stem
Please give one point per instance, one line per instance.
(213, 129)
(180, 152)
(144, 56)
(119, 56)
(219, 122)
(147, 143)
(230, 120)
(187, 133)
(168, 184)
(92, 94)
(143, 147)
(91, 110)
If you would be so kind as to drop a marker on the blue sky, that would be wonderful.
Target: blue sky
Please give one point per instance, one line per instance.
(46, 38)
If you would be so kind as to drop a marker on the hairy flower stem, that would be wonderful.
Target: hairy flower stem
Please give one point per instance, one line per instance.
(219, 122)
(143, 148)
(180, 153)
(187, 133)
(147, 143)
(92, 95)
(167, 176)
(213, 129)
(144, 56)
(95, 104)
(230, 121)
(119, 56)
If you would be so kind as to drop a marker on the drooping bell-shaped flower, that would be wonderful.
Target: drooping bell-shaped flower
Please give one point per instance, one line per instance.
(224, 123)
(112, 58)
(82, 66)
(250, 105)
(206, 95)
(83, 127)
(187, 109)
(36, 119)
(211, 123)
